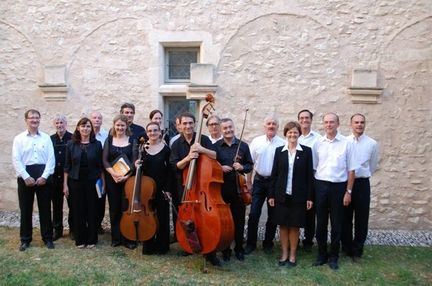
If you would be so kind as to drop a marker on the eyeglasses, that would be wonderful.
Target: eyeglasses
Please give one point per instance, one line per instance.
(152, 130)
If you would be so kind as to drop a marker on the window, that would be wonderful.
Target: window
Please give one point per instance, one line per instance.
(176, 105)
(177, 63)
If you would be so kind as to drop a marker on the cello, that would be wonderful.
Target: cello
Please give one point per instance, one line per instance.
(139, 222)
(204, 222)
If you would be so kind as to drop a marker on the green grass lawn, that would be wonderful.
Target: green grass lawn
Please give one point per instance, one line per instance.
(66, 265)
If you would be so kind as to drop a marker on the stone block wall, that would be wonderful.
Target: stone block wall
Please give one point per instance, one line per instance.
(270, 56)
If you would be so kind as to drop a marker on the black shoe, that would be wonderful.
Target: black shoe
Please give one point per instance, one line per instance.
(268, 250)
(115, 243)
(148, 251)
(320, 261)
(291, 264)
(240, 255)
(333, 264)
(24, 246)
(307, 247)
(57, 235)
(49, 244)
(226, 255)
(130, 245)
(162, 251)
(214, 260)
(283, 262)
(249, 249)
(183, 253)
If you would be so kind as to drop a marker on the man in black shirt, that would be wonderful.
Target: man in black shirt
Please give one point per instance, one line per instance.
(59, 140)
(233, 167)
(128, 109)
(183, 151)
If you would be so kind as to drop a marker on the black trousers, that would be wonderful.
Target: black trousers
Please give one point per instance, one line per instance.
(238, 210)
(26, 198)
(329, 203)
(84, 198)
(309, 229)
(117, 204)
(57, 198)
(359, 210)
(260, 191)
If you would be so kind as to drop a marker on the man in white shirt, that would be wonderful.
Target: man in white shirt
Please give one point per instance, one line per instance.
(262, 149)
(366, 150)
(179, 131)
(100, 133)
(101, 136)
(214, 128)
(308, 138)
(334, 165)
(34, 162)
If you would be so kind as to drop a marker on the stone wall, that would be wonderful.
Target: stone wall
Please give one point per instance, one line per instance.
(270, 56)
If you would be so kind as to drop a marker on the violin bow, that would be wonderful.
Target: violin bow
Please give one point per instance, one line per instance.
(241, 134)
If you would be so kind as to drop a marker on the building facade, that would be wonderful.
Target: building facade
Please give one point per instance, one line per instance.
(271, 56)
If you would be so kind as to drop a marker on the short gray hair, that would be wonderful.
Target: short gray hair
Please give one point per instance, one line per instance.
(60, 117)
(272, 117)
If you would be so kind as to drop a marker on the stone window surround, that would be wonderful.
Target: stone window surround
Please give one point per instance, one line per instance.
(161, 40)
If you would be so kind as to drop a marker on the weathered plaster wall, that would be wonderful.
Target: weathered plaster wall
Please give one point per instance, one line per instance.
(270, 56)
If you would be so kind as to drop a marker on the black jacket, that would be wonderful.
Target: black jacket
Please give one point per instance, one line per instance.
(73, 158)
(303, 179)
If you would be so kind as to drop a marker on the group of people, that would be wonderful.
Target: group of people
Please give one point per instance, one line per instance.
(304, 178)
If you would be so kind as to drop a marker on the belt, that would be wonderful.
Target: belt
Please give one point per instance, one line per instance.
(262, 177)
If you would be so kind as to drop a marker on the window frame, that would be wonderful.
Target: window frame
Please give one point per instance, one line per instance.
(166, 62)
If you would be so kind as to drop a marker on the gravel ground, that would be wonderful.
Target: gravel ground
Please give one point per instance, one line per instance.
(375, 236)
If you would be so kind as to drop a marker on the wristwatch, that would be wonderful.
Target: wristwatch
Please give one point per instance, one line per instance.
(349, 192)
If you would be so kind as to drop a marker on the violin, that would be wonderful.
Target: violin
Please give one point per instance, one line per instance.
(204, 222)
(139, 221)
(242, 189)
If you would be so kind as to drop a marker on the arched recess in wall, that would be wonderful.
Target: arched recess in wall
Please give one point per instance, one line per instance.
(406, 64)
(110, 67)
(280, 63)
(20, 70)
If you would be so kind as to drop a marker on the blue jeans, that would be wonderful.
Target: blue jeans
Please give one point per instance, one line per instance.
(260, 192)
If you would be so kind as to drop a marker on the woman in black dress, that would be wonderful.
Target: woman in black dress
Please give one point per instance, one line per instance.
(291, 191)
(83, 167)
(157, 116)
(118, 143)
(156, 165)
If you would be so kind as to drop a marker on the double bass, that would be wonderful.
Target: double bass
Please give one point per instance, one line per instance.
(204, 222)
(139, 222)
